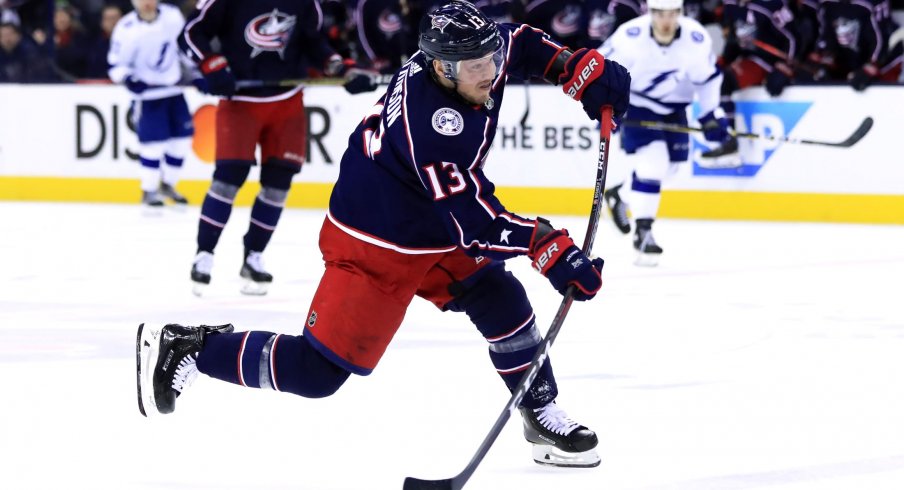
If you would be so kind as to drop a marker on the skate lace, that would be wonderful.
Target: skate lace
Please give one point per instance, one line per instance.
(555, 419)
(204, 262)
(185, 374)
(255, 261)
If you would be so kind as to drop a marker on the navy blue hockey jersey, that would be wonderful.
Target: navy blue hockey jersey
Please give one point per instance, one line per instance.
(412, 177)
(261, 39)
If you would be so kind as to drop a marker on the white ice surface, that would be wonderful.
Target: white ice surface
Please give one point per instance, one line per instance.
(757, 356)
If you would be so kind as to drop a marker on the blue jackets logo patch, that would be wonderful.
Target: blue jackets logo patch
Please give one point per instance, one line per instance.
(269, 32)
(767, 118)
(448, 122)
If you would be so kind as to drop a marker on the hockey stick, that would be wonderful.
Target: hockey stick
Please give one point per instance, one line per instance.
(851, 140)
(459, 480)
(381, 79)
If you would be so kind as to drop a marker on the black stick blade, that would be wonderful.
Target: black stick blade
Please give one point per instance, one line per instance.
(864, 128)
(416, 484)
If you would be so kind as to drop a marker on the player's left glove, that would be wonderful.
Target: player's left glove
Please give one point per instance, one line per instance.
(863, 76)
(778, 79)
(357, 80)
(596, 82)
(135, 85)
(555, 255)
(715, 128)
(220, 80)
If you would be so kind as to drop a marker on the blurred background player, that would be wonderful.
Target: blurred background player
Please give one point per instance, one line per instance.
(853, 43)
(270, 42)
(413, 214)
(670, 59)
(144, 57)
(761, 45)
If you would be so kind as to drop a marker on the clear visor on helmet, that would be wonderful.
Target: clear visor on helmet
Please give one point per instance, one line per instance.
(475, 70)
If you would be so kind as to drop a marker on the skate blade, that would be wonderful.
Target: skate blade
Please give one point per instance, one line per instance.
(252, 288)
(725, 161)
(145, 360)
(151, 211)
(551, 456)
(178, 207)
(647, 260)
(199, 289)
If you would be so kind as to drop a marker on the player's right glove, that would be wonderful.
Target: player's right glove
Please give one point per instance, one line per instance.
(596, 82)
(862, 77)
(555, 255)
(220, 80)
(135, 86)
(715, 128)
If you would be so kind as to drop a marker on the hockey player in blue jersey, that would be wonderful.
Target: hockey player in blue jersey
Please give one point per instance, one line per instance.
(671, 61)
(143, 56)
(413, 214)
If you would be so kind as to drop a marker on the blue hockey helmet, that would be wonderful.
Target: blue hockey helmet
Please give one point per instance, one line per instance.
(456, 32)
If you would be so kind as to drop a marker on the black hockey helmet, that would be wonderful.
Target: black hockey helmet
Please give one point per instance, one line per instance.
(458, 31)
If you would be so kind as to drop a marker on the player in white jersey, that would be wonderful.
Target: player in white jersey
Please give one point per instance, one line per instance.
(145, 58)
(670, 59)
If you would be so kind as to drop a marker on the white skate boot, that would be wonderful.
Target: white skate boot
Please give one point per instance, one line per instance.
(200, 272)
(257, 279)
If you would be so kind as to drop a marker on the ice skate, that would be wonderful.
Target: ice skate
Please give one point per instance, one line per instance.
(724, 156)
(618, 209)
(151, 203)
(257, 280)
(165, 363)
(558, 440)
(648, 252)
(200, 272)
(172, 194)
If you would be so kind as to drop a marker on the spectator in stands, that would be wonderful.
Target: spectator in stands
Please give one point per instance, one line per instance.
(20, 59)
(99, 45)
(853, 42)
(71, 45)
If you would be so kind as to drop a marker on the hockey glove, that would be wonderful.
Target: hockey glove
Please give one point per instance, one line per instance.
(220, 80)
(135, 86)
(555, 255)
(358, 81)
(862, 77)
(778, 79)
(200, 83)
(715, 129)
(596, 82)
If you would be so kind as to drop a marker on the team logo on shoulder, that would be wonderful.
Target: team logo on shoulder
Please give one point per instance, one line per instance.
(697, 36)
(448, 122)
(633, 31)
(269, 32)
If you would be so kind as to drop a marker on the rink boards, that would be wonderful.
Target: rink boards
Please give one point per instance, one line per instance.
(75, 143)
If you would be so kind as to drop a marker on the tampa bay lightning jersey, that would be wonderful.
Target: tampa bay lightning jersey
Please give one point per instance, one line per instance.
(412, 178)
(147, 51)
(664, 79)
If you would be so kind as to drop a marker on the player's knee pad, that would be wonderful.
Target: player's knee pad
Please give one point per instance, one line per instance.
(224, 190)
(277, 176)
(151, 153)
(231, 174)
(178, 148)
(273, 196)
(651, 162)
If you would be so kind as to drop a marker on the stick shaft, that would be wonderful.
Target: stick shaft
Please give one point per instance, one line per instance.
(457, 482)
